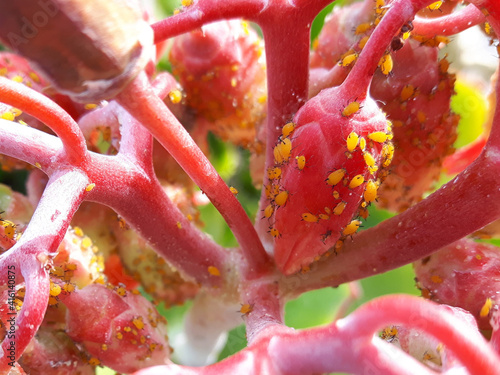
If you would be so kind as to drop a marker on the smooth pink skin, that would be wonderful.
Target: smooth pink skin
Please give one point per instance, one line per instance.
(449, 24)
(349, 345)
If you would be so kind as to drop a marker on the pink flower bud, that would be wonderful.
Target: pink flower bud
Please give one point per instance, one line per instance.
(53, 352)
(222, 71)
(88, 49)
(325, 175)
(119, 329)
(463, 274)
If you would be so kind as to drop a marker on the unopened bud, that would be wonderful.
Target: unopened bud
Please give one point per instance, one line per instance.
(88, 49)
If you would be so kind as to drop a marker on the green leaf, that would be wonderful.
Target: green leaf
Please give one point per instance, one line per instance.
(471, 105)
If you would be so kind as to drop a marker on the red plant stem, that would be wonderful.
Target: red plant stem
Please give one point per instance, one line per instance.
(449, 24)
(363, 354)
(203, 12)
(62, 197)
(44, 109)
(142, 103)
(287, 73)
(266, 306)
(136, 196)
(136, 142)
(28, 144)
(400, 11)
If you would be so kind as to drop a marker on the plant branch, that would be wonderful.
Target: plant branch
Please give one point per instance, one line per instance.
(28, 144)
(203, 12)
(449, 24)
(400, 11)
(142, 202)
(61, 198)
(357, 351)
(142, 103)
(44, 109)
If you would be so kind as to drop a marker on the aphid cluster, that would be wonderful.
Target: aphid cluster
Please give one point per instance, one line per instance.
(314, 201)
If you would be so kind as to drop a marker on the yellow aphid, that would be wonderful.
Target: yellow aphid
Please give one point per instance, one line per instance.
(16, 111)
(274, 232)
(351, 228)
(9, 228)
(327, 210)
(34, 77)
(362, 143)
(104, 347)
(69, 288)
(348, 60)
(268, 211)
(379, 4)
(233, 190)
(335, 177)
(487, 28)
(485, 310)
(214, 271)
(386, 64)
(362, 42)
(336, 194)
(273, 173)
(138, 322)
(352, 141)
(356, 181)
(389, 333)
(351, 109)
(288, 129)
(301, 162)
(246, 309)
(435, 5)
(369, 159)
(370, 193)
(421, 117)
(282, 151)
(339, 208)
(90, 106)
(387, 154)
(362, 28)
(9, 116)
(436, 279)
(94, 361)
(323, 216)
(179, 225)
(17, 79)
(175, 96)
(407, 92)
(52, 301)
(310, 218)
(186, 3)
(444, 65)
(121, 291)
(90, 187)
(281, 198)
(379, 137)
(55, 290)
(38, 165)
